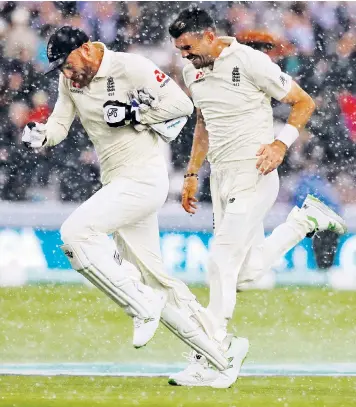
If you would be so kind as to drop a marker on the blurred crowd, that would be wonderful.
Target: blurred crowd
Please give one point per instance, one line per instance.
(315, 42)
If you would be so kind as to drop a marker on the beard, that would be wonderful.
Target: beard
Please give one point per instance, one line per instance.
(83, 78)
(201, 61)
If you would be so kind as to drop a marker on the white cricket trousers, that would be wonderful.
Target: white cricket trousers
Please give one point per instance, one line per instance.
(239, 252)
(127, 208)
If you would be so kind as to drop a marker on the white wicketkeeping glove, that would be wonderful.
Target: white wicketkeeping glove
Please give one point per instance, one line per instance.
(34, 135)
(169, 130)
(145, 99)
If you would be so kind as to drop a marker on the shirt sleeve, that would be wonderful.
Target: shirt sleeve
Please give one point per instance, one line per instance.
(173, 102)
(59, 122)
(268, 76)
(187, 84)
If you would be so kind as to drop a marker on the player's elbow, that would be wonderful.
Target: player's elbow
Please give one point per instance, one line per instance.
(185, 104)
(189, 107)
(310, 104)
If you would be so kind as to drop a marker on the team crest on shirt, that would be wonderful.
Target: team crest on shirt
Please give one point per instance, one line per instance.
(235, 76)
(110, 86)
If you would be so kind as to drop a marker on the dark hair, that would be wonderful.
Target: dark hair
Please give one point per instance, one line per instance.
(193, 19)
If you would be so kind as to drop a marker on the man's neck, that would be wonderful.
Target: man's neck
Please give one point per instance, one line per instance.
(98, 54)
(219, 47)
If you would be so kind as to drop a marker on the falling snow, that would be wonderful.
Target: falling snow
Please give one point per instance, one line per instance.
(313, 42)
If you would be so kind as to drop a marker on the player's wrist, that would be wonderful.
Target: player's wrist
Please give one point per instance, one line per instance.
(191, 175)
(288, 135)
(281, 144)
(192, 168)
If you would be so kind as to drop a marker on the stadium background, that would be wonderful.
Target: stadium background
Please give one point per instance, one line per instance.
(293, 329)
(314, 42)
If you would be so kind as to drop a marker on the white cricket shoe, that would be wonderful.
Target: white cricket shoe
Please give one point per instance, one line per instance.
(321, 217)
(198, 373)
(145, 328)
(236, 354)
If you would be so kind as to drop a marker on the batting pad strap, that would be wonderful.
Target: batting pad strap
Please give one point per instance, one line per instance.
(178, 321)
(288, 135)
(125, 291)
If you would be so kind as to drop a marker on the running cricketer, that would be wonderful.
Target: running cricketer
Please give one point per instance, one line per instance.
(232, 85)
(125, 103)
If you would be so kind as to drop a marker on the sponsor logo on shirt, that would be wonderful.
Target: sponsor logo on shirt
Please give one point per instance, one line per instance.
(283, 80)
(165, 82)
(235, 76)
(110, 86)
(80, 92)
(76, 90)
(199, 77)
(160, 76)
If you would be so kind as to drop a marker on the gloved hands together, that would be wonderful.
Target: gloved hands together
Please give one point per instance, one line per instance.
(143, 98)
(118, 114)
(34, 135)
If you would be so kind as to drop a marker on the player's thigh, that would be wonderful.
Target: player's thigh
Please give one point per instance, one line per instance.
(267, 190)
(122, 202)
(253, 263)
(143, 244)
(244, 214)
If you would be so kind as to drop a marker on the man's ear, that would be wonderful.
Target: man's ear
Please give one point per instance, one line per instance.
(85, 50)
(209, 36)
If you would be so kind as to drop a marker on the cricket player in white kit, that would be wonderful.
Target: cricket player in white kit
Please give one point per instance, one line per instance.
(232, 85)
(124, 103)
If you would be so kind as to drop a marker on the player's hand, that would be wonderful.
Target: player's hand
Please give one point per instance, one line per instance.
(34, 135)
(270, 156)
(190, 188)
(144, 97)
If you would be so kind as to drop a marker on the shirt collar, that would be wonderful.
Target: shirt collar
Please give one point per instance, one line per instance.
(105, 62)
(233, 45)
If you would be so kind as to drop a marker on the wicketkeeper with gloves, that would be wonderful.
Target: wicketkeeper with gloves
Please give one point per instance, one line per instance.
(124, 103)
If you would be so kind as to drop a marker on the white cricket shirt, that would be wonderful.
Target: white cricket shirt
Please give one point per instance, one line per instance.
(119, 149)
(235, 100)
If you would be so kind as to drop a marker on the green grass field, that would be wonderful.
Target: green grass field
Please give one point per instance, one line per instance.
(79, 324)
(248, 392)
